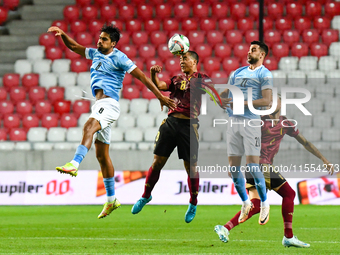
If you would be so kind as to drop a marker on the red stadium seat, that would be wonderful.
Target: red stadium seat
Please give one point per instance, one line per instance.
(84, 38)
(189, 24)
(203, 50)
(78, 26)
(322, 23)
(108, 12)
(283, 23)
(313, 8)
(245, 24)
(267, 23)
(62, 24)
(181, 10)
(89, 13)
(101, 2)
(238, 10)
(53, 53)
(71, 13)
(47, 39)
(251, 35)
(226, 24)
(3, 94)
(219, 10)
(219, 77)
(11, 4)
(42, 107)
(275, 10)
(6, 106)
(280, 50)
(68, 120)
(310, 36)
(71, 55)
(55, 93)
(3, 15)
(244, 62)
(130, 92)
(11, 120)
(83, 3)
(147, 51)
(211, 64)
(129, 50)
(254, 9)
(30, 120)
(271, 63)
(330, 35)
(49, 120)
(200, 10)
(30, 80)
(163, 10)
(139, 38)
(79, 65)
(126, 12)
(17, 94)
(164, 76)
(124, 38)
(117, 23)
(163, 52)
(241, 50)
(291, 36)
(158, 37)
(24, 107)
(172, 65)
(294, 10)
(153, 61)
(3, 132)
(145, 11)
(37, 93)
(10, 80)
(95, 27)
(271, 37)
(208, 24)
(299, 50)
(133, 25)
(147, 94)
(62, 106)
(302, 23)
(318, 50)
(234, 37)
(196, 37)
(152, 25)
(230, 64)
(214, 37)
(17, 134)
(332, 9)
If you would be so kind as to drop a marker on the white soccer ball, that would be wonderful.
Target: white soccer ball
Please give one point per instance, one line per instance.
(178, 44)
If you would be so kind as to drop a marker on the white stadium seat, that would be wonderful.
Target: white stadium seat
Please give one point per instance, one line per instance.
(327, 63)
(279, 78)
(83, 118)
(74, 134)
(204, 146)
(333, 77)
(288, 63)
(314, 106)
(35, 52)
(296, 78)
(322, 121)
(315, 78)
(73, 93)
(150, 134)
(121, 146)
(303, 120)
(145, 120)
(23, 146)
(117, 135)
(124, 105)
(56, 134)
(126, 121)
(145, 146)
(23, 66)
(139, 105)
(7, 146)
(308, 63)
(212, 135)
(67, 79)
(48, 80)
(133, 135)
(160, 117)
(43, 146)
(331, 135)
(42, 66)
(336, 22)
(325, 92)
(312, 134)
(84, 79)
(37, 134)
(334, 50)
(205, 121)
(218, 146)
(63, 146)
(154, 106)
(61, 65)
(332, 106)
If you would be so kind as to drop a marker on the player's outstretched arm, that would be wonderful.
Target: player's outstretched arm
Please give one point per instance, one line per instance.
(265, 100)
(68, 41)
(312, 149)
(137, 73)
(154, 70)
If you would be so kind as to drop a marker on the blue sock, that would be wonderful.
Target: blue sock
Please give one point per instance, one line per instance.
(109, 186)
(80, 153)
(240, 184)
(260, 182)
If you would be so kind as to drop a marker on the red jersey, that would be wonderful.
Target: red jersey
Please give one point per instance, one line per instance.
(186, 92)
(272, 137)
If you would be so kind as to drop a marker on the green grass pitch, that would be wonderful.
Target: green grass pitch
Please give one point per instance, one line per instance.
(160, 229)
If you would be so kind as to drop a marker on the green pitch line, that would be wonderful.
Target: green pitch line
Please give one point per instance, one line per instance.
(160, 229)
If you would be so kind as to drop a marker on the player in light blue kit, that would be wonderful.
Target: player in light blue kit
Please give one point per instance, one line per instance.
(108, 69)
(243, 138)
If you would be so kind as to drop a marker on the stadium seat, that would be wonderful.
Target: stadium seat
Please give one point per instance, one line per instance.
(271, 63)
(74, 134)
(89, 13)
(219, 10)
(288, 63)
(245, 24)
(147, 94)
(158, 37)
(71, 13)
(49, 120)
(6, 107)
(78, 26)
(83, 3)
(147, 51)
(22, 66)
(130, 92)
(310, 36)
(214, 37)
(283, 23)
(332, 8)
(71, 55)
(275, 10)
(126, 121)
(302, 23)
(53, 53)
(68, 120)
(321, 23)
(61, 66)
(327, 63)
(11, 4)
(35, 52)
(163, 52)
(133, 135)
(220, 77)
(133, 25)
(126, 12)
(172, 65)
(230, 64)
(164, 75)
(55, 93)
(151, 62)
(108, 12)
(313, 8)
(47, 40)
(299, 50)
(73, 93)
(318, 49)
(294, 10)
(84, 38)
(3, 94)
(211, 135)
(150, 134)
(331, 135)
(322, 121)
(329, 36)
(17, 134)
(42, 66)
(314, 106)
(271, 37)
(145, 11)
(291, 36)
(163, 10)
(139, 62)
(241, 50)
(234, 37)
(154, 106)
(238, 10)
(48, 80)
(100, 3)
(152, 25)
(11, 120)
(56, 134)
(79, 65)
(84, 79)
(129, 50)
(10, 80)
(117, 135)
(334, 49)
(207, 24)
(3, 134)
(203, 50)
(81, 106)
(200, 10)
(124, 37)
(196, 37)
(145, 120)
(254, 9)
(312, 134)
(42, 107)
(189, 24)
(62, 24)
(267, 23)
(222, 50)
(36, 93)
(181, 10)
(85, 116)
(30, 120)
(37, 134)
(226, 24)
(251, 35)
(315, 78)
(3, 15)
(17, 94)
(138, 106)
(62, 106)
(332, 106)
(211, 64)
(30, 80)
(308, 63)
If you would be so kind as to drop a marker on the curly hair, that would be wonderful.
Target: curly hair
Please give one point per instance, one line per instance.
(112, 31)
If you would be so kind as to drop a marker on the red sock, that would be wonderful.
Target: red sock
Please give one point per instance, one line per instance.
(193, 184)
(150, 182)
(288, 195)
(234, 221)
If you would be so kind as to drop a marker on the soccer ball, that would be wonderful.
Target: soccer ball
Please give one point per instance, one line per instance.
(178, 44)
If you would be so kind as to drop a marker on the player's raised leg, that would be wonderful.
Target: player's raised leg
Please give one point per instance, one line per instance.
(193, 183)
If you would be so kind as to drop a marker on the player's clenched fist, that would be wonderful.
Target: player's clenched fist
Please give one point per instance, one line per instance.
(156, 69)
(58, 31)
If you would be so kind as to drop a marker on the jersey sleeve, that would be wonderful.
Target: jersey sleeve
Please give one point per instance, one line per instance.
(89, 53)
(169, 84)
(292, 131)
(126, 64)
(267, 80)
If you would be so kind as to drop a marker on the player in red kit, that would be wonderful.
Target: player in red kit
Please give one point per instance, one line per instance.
(273, 130)
(179, 130)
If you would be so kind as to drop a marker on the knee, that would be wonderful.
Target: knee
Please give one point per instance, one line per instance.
(291, 193)
(101, 157)
(157, 165)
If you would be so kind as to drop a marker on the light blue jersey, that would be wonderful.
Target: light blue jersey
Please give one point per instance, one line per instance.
(108, 71)
(243, 78)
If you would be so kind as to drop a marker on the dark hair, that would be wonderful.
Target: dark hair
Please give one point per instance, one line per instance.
(262, 45)
(112, 31)
(194, 55)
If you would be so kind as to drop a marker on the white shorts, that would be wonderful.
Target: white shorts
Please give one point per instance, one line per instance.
(243, 139)
(106, 111)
